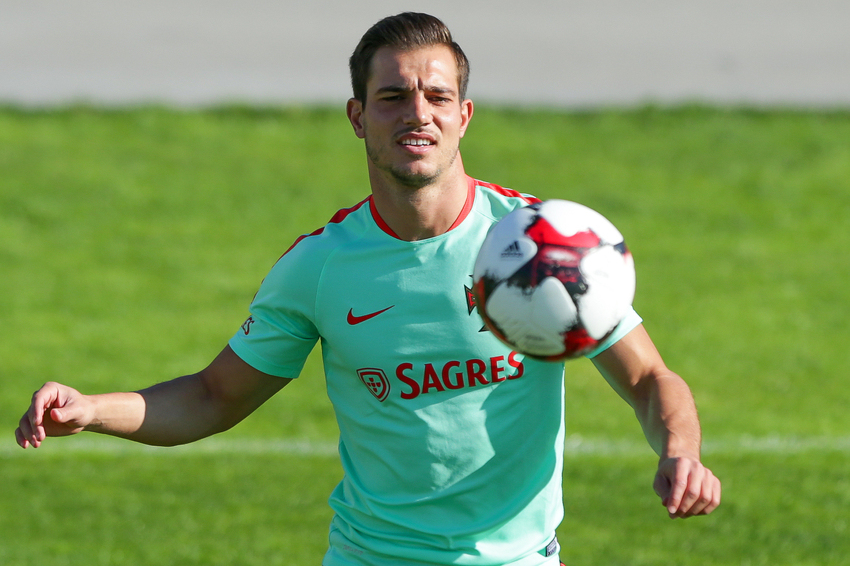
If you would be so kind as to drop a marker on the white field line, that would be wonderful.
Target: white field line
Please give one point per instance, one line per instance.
(575, 446)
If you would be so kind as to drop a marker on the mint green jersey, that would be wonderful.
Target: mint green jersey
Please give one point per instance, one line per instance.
(451, 444)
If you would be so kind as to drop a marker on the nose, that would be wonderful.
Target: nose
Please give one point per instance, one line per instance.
(418, 110)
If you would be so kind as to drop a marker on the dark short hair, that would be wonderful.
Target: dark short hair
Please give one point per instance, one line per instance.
(405, 31)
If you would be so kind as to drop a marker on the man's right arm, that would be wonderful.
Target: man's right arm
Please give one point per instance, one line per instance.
(174, 412)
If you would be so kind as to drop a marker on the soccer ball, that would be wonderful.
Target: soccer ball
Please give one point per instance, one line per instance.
(553, 280)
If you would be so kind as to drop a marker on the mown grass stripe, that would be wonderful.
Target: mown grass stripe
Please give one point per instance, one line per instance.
(574, 446)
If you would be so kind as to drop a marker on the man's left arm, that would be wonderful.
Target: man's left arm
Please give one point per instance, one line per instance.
(665, 408)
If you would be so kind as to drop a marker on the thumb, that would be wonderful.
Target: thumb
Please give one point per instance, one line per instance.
(662, 486)
(58, 415)
(69, 416)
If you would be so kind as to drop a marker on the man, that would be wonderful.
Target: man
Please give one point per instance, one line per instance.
(451, 444)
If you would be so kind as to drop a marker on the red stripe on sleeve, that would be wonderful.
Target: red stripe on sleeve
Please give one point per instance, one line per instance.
(508, 192)
(338, 217)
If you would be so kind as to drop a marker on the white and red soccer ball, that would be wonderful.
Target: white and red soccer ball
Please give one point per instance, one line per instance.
(553, 280)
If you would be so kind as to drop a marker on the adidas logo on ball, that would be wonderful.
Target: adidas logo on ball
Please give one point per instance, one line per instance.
(512, 251)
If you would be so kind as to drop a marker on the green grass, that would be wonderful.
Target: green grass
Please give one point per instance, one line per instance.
(131, 242)
(162, 509)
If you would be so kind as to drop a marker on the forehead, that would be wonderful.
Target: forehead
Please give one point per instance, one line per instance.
(426, 66)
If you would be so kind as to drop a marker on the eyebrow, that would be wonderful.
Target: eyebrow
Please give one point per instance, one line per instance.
(397, 89)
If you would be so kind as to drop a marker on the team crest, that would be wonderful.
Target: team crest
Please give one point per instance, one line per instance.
(375, 381)
(471, 304)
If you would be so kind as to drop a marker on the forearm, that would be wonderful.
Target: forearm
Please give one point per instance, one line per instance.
(175, 412)
(668, 416)
(661, 400)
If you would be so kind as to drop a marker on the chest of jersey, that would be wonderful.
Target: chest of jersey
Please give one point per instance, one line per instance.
(401, 315)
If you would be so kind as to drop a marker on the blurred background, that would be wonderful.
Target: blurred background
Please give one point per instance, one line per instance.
(570, 53)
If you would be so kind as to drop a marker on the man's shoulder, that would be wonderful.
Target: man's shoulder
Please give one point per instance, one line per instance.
(342, 226)
(302, 263)
(496, 201)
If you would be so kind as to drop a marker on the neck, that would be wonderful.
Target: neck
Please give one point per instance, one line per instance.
(418, 213)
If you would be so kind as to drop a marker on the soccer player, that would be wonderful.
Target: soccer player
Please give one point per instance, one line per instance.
(451, 444)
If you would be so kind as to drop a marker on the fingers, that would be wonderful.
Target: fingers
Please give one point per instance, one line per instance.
(24, 438)
(30, 431)
(45, 415)
(687, 488)
(700, 496)
(26, 435)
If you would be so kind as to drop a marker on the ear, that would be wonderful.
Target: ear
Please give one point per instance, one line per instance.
(354, 109)
(466, 110)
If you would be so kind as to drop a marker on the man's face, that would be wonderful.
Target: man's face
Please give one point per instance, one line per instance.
(413, 118)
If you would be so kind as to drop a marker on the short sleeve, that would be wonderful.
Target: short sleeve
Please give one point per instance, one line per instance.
(280, 332)
(629, 323)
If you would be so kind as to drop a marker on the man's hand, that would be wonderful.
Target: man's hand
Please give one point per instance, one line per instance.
(686, 487)
(55, 410)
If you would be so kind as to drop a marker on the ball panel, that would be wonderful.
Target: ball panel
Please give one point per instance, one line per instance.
(610, 290)
(526, 320)
(550, 324)
(571, 217)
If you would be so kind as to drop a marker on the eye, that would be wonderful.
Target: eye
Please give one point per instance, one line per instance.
(391, 96)
(440, 97)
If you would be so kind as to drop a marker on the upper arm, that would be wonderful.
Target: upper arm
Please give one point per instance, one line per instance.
(237, 387)
(630, 364)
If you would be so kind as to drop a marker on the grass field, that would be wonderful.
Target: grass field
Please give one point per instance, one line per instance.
(131, 242)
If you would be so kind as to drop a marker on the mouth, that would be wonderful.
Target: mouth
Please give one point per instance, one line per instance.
(417, 142)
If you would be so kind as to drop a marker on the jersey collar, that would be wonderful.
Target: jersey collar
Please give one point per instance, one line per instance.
(464, 212)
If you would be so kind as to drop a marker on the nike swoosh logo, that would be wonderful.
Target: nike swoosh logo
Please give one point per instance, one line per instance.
(352, 319)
